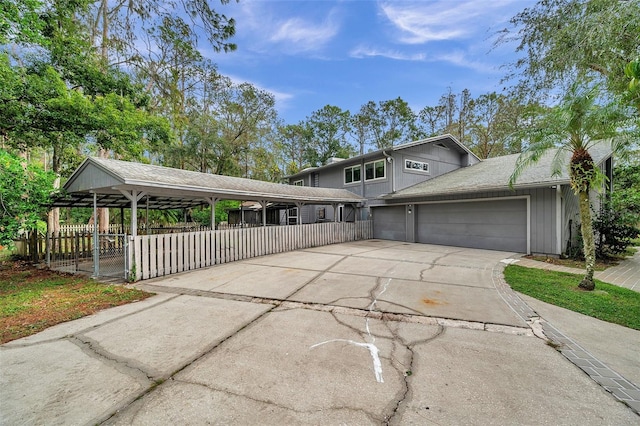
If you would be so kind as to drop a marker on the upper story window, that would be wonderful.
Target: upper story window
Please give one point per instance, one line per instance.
(298, 182)
(352, 174)
(416, 166)
(375, 170)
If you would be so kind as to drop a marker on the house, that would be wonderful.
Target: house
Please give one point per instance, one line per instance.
(381, 172)
(436, 191)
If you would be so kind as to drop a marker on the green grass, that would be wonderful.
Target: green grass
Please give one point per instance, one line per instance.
(34, 299)
(607, 302)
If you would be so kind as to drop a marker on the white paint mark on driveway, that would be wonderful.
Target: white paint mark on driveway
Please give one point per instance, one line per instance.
(371, 340)
(373, 350)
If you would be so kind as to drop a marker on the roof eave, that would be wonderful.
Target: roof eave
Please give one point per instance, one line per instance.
(391, 196)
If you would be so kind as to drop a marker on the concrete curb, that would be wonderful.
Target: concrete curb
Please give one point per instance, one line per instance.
(622, 389)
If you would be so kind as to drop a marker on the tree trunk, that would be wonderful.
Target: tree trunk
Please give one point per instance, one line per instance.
(103, 212)
(53, 218)
(586, 227)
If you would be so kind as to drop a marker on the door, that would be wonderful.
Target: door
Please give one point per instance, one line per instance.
(485, 224)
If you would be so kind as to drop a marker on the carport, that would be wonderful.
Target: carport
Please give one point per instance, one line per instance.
(100, 182)
(119, 184)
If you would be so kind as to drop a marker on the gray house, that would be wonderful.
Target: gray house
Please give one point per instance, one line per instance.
(436, 191)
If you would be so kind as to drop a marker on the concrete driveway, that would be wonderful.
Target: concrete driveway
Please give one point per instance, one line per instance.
(371, 332)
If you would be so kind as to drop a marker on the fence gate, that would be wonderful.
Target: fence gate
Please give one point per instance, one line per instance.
(76, 252)
(111, 254)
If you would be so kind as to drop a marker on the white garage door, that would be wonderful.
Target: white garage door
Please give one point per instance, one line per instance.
(493, 225)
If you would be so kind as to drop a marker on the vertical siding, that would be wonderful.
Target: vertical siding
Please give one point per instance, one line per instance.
(571, 217)
(543, 220)
(440, 161)
(332, 177)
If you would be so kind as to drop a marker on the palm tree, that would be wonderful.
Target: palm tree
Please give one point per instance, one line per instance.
(573, 127)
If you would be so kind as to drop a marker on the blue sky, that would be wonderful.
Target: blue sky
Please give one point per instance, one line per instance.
(345, 53)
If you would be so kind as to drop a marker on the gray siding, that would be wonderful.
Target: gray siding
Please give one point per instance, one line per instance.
(93, 177)
(571, 218)
(389, 223)
(440, 160)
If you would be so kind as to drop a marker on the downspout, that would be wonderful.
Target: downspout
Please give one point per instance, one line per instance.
(393, 170)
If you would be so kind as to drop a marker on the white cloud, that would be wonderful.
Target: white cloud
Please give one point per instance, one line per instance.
(281, 97)
(367, 52)
(458, 58)
(423, 22)
(268, 28)
(301, 35)
(461, 59)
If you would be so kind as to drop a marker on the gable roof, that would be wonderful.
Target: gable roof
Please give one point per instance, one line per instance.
(451, 142)
(493, 175)
(174, 188)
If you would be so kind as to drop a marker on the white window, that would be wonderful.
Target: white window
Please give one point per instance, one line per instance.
(292, 216)
(352, 174)
(416, 166)
(375, 170)
(298, 182)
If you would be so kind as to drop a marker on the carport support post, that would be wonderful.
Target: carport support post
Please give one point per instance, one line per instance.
(263, 203)
(96, 259)
(299, 216)
(212, 203)
(133, 196)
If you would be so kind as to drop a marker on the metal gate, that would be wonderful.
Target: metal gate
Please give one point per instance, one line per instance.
(110, 256)
(76, 253)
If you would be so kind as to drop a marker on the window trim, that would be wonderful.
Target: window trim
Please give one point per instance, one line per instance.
(344, 174)
(421, 170)
(298, 182)
(384, 163)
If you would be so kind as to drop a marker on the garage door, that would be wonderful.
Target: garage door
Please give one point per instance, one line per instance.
(390, 223)
(493, 225)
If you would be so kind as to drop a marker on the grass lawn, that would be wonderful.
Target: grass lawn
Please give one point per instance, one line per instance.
(607, 302)
(34, 299)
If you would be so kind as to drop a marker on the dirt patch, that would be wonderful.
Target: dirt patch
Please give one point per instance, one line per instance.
(601, 264)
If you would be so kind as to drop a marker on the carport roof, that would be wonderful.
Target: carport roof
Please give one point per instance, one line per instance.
(493, 175)
(169, 188)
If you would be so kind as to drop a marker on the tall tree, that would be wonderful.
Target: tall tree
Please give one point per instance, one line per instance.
(117, 28)
(632, 94)
(361, 127)
(561, 38)
(25, 191)
(328, 127)
(293, 142)
(236, 118)
(431, 117)
(385, 124)
(20, 21)
(574, 126)
(495, 124)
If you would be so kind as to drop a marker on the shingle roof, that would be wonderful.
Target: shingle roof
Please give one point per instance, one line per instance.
(493, 175)
(167, 184)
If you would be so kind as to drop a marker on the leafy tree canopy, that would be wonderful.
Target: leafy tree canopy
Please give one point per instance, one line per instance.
(24, 194)
(562, 39)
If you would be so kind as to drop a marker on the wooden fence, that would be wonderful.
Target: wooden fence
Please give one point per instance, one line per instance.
(157, 255)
